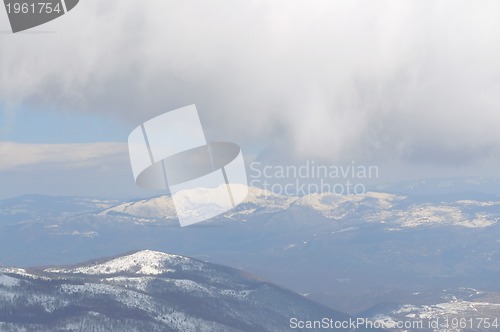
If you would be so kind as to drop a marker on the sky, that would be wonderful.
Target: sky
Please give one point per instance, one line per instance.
(410, 86)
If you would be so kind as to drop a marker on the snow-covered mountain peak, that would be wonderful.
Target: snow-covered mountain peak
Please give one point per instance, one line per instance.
(329, 200)
(140, 297)
(252, 195)
(145, 262)
(267, 198)
(156, 207)
(397, 210)
(163, 207)
(336, 206)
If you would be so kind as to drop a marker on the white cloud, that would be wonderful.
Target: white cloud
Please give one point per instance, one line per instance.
(417, 81)
(34, 158)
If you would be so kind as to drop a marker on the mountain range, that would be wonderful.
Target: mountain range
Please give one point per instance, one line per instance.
(350, 252)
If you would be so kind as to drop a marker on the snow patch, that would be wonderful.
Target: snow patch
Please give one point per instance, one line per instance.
(146, 262)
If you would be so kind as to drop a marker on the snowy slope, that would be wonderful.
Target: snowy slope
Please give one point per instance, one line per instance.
(397, 211)
(454, 315)
(154, 208)
(148, 291)
(145, 262)
(163, 207)
(340, 206)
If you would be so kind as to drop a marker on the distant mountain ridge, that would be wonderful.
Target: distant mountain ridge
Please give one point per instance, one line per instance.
(163, 207)
(399, 211)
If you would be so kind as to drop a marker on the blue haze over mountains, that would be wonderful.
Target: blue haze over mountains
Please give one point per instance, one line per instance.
(350, 253)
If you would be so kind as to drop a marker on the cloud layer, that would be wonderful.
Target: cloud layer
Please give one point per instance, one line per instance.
(16, 157)
(413, 81)
(93, 169)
